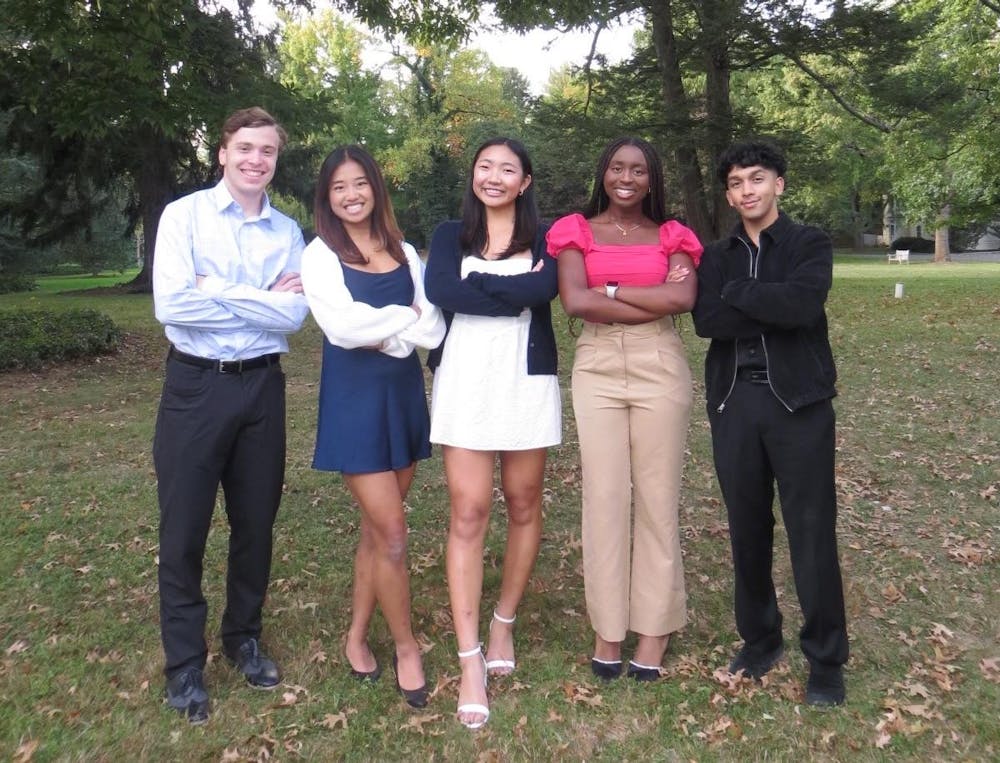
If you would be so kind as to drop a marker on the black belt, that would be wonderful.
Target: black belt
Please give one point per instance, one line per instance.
(752, 375)
(226, 366)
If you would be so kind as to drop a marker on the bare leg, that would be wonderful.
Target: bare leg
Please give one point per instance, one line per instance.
(470, 487)
(607, 651)
(522, 473)
(381, 502)
(357, 650)
(650, 649)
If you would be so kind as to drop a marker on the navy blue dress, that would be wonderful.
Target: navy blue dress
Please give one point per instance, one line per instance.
(372, 407)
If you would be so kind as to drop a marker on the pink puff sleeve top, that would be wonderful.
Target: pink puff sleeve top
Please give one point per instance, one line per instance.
(628, 264)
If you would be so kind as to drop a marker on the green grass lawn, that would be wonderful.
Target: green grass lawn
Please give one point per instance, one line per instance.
(80, 281)
(80, 658)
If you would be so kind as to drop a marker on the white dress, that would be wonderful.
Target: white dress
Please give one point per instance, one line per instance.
(484, 398)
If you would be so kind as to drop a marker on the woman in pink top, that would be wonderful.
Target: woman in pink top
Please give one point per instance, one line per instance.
(626, 271)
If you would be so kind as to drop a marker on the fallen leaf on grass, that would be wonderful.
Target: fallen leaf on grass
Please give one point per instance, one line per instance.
(230, 755)
(332, 721)
(417, 722)
(17, 647)
(916, 690)
(25, 751)
(990, 668)
(892, 594)
(722, 729)
(579, 694)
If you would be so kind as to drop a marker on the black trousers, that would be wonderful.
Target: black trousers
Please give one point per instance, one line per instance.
(757, 442)
(216, 428)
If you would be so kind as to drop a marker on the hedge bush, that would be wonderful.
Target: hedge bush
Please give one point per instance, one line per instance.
(28, 338)
(914, 244)
(13, 283)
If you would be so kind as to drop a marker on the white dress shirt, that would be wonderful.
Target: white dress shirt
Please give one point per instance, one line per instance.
(397, 329)
(231, 315)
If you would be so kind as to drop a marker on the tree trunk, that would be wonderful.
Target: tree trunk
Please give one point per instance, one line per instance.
(942, 248)
(155, 185)
(717, 21)
(676, 105)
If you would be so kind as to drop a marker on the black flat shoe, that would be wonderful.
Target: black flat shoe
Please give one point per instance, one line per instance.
(257, 668)
(370, 675)
(639, 672)
(414, 697)
(187, 695)
(606, 670)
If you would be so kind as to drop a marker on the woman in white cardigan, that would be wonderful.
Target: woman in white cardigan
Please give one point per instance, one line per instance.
(364, 285)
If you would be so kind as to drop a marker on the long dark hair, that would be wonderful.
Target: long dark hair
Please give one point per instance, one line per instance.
(473, 236)
(330, 228)
(653, 205)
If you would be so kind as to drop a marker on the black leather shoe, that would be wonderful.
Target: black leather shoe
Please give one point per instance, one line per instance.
(186, 694)
(257, 668)
(414, 697)
(825, 687)
(606, 670)
(755, 665)
(639, 672)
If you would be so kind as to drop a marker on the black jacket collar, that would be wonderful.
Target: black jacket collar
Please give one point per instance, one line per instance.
(775, 231)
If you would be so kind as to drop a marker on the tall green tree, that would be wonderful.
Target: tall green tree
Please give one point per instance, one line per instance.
(123, 92)
(696, 45)
(445, 101)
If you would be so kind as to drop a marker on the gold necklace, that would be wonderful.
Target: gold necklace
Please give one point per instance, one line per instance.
(623, 230)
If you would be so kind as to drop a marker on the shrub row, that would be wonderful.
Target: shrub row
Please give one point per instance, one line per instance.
(914, 244)
(13, 283)
(30, 337)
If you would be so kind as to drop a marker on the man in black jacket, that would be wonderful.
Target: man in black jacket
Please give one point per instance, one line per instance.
(769, 378)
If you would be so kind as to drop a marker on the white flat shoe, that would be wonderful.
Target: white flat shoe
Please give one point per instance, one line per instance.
(474, 707)
(501, 667)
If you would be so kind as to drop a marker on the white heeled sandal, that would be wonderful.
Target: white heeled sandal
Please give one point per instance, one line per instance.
(475, 707)
(507, 666)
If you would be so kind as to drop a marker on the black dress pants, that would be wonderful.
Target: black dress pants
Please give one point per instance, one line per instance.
(756, 442)
(216, 428)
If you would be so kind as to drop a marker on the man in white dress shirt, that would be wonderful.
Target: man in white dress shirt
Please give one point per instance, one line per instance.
(226, 287)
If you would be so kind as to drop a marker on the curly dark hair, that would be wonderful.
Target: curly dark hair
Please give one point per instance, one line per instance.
(751, 153)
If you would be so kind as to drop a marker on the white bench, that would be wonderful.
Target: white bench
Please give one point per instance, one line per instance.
(900, 255)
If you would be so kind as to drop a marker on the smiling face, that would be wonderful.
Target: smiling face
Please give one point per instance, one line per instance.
(626, 180)
(753, 192)
(498, 177)
(248, 160)
(351, 196)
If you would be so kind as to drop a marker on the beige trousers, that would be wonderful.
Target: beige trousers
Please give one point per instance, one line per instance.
(632, 399)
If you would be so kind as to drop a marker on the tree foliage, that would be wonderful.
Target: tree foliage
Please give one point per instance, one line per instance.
(122, 92)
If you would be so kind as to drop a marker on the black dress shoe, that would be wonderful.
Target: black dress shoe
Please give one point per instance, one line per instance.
(186, 694)
(606, 670)
(414, 697)
(753, 664)
(257, 668)
(825, 687)
(639, 672)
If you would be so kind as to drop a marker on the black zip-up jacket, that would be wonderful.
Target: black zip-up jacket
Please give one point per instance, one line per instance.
(489, 294)
(777, 295)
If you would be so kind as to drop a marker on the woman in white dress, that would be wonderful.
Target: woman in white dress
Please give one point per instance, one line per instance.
(496, 396)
